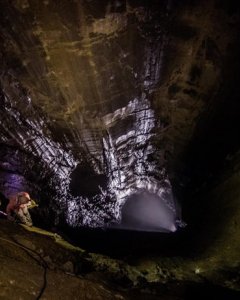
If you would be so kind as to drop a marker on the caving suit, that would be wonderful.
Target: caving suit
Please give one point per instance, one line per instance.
(18, 206)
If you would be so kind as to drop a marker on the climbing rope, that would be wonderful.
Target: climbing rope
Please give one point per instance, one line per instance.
(43, 264)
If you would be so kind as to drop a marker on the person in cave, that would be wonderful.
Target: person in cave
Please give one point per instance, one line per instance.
(18, 208)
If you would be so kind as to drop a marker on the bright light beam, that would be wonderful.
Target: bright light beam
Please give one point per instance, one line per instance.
(145, 211)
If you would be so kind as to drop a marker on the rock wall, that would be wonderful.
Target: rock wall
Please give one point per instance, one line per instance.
(101, 101)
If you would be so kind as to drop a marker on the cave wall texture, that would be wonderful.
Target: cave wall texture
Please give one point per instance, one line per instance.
(102, 99)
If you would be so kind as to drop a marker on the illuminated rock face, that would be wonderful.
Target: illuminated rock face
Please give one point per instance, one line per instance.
(99, 99)
(95, 82)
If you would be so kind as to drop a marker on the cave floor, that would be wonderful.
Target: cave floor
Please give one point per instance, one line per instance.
(42, 266)
(37, 264)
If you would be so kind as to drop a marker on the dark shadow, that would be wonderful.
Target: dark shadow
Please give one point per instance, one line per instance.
(85, 182)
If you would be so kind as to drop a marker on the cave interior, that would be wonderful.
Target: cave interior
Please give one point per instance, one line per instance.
(121, 119)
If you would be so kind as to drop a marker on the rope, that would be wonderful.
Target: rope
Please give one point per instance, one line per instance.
(43, 264)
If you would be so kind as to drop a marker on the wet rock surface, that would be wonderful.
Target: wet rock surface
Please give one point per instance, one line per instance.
(85, 84)
(110, 96)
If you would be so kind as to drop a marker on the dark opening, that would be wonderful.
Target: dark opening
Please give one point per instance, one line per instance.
(85, 182)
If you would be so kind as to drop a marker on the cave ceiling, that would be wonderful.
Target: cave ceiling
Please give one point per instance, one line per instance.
(99, 99)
